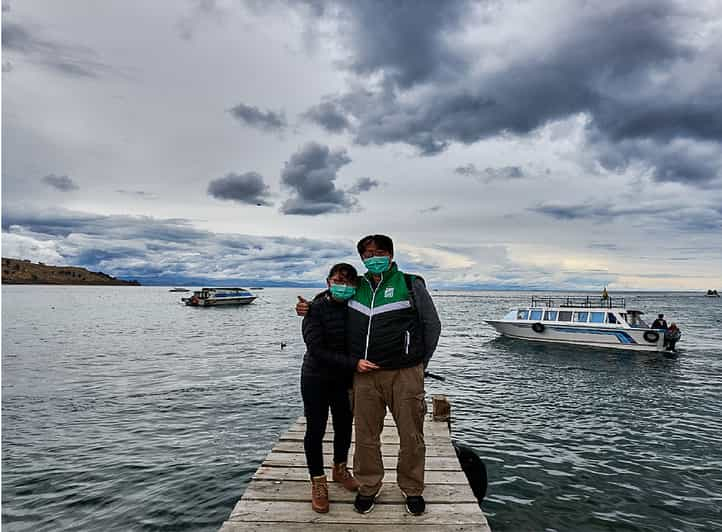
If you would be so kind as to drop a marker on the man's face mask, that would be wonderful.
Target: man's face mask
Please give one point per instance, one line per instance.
(377, 265)
(342, 291)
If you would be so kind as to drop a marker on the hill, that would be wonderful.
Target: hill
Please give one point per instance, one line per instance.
(15, 271)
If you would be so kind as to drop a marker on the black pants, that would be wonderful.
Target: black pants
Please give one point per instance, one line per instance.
(320, 393)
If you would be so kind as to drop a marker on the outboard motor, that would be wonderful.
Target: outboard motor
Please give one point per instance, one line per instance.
(474, 469)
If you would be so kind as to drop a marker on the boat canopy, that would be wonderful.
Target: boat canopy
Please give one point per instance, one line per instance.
(579, 302)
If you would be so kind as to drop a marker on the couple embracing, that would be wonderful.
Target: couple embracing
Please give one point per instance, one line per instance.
(375, 334)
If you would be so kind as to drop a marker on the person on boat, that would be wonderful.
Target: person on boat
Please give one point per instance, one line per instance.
(659, 323)
(326, 381)
(394, 326)
(671, 337)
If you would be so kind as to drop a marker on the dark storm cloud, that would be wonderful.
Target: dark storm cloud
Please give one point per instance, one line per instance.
(593, 209)
(672, 217)
(363, 184)
(488, 174)
(405, 41)
(70, 60)
(642, 72)
(151, 249)
(254, 117)
(329, 115)
(310, 174)
(63, 223)
(60, 182)
(244, 188)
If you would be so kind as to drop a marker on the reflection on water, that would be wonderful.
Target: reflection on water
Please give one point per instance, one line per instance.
(123, 409)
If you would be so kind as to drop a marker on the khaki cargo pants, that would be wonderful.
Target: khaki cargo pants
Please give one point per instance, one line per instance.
(402, 391)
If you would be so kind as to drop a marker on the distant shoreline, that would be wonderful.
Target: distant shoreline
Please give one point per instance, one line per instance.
(25, 272)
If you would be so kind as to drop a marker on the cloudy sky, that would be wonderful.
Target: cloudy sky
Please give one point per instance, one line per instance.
(524, 143)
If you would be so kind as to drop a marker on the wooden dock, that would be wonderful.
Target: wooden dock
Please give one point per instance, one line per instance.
(279, 495)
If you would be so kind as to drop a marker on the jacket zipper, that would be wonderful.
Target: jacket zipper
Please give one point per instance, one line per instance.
(371, 313)
(408, 341)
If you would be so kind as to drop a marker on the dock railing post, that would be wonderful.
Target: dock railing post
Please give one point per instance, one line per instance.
(441, 408)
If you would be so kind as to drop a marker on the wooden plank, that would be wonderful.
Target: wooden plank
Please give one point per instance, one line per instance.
(300, 491)
(301, 512)
(387, 449)
(386, 437)
(433, 463)
(301, 473)
(430, 429)
(239, 526)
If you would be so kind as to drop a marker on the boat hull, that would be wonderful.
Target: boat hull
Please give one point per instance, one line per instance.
(226, 301)
(604, 337)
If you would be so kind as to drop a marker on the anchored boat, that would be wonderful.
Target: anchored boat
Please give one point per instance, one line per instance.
(208, 297)
(591, 321)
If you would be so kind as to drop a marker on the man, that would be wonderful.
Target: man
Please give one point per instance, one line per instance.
(660, 323)
(392, 322)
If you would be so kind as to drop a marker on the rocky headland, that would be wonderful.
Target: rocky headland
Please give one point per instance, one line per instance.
(16, 271)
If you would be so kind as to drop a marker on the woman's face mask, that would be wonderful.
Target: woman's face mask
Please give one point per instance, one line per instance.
(377, 265)
(341, 292)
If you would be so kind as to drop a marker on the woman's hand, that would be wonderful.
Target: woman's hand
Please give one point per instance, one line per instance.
(302, 306)
(364, 366)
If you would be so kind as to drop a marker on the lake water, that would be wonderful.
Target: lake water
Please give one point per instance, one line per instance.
(124, 410)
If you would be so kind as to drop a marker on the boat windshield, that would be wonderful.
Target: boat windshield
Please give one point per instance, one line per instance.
(635, 320)
(511, 315)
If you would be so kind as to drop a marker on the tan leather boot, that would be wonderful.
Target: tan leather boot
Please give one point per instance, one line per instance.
(319, 494)
(343, 475)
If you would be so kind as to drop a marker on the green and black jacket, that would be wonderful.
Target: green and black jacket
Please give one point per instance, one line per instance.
(394, 324)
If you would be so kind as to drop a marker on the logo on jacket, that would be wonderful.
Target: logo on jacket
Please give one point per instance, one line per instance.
(389, 292)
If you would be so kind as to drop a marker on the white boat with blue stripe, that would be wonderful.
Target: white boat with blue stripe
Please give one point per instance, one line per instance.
(211, 297)
(590, 321)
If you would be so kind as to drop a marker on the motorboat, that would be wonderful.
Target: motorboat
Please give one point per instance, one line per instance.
(209, 297)
(590, 321)
(179, 289)
(712, 293)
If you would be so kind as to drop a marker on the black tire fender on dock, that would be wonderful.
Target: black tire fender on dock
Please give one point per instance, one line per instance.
(538, 327)
(651, 336)
(474, 469)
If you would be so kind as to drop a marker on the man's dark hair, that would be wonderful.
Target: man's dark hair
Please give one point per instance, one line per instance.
(661, 316)
(382, 242)
(344, 269)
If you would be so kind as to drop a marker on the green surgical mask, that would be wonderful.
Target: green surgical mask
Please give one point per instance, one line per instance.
(377, 265)
(342, 291)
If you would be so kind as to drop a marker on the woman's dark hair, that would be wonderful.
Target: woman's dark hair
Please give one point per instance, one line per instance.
(382, 242)
(348, 271)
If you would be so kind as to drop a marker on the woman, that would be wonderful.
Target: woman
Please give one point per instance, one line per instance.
(326, 380)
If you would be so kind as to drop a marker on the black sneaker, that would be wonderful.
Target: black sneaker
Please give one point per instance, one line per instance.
(415, 504)
(364, 503)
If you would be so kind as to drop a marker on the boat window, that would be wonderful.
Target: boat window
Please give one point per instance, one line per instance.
(581, 316)
(596, 317)
(611, 318)
(550, 315)
(536, 314)
(522, 314)
(565, 315)
(511, 315)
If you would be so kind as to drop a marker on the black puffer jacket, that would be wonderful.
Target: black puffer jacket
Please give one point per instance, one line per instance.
(324, 331)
